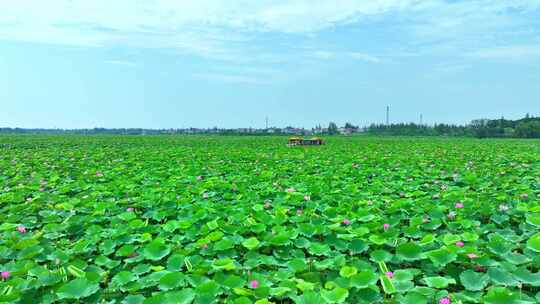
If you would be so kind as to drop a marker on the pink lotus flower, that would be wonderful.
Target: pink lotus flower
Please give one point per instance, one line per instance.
(524, 196)
(370, 203)
(204, 246)
(298, 212)
(386, 226)
(445, 301)
(472, 256)
(205, 195)
(99, 174)
(389, 274)
(130, 209)
(266, 204)
(460, 244)
(346, 222)
(291, 190)
(459, 205)
(254, 284)
(21, 229)
(307, 197)
(5, 275)
(199, 178)
(451, 215)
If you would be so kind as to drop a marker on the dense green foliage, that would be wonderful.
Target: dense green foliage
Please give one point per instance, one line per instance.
(169, 219)
(528, 127)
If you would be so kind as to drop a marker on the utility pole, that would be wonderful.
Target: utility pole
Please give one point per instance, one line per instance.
(266, 122)
(421, 119)
(387, 115)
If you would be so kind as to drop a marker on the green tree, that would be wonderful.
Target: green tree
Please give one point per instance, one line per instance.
(529, 129)
(332, 128)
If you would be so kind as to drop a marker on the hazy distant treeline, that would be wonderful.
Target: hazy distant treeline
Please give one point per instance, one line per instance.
(528, 127)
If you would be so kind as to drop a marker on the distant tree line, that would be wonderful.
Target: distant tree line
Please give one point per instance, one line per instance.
(332, 129)
(528, 127)
(141, 131)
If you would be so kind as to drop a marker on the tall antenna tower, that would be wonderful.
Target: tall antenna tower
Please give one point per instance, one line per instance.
(266, 118)
(421, 119)
(387, 115)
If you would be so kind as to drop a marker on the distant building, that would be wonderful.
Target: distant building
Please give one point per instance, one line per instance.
(292, 130)
(346, 131)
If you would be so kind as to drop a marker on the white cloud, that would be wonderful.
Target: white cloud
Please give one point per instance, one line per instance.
(168, 16)
(225, 29)
(459, 23)
(232, 78)
(327, 55)
(364, 57)
(514, 52)
(451, 68)
(200, 26)
(122, 63)
(324, 55)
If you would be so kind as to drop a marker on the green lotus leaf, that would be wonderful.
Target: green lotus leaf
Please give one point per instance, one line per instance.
(336, 295)
(533, 219)
(441, 257)
(319, 249)
(133, 299)
(122, 278)
(251, 243)
(438, 282)
(310, 297)
(409, 252)
(527, 277)
(298, 265)
(499, 295)
(414, 298)
(534, 242)
(171, 281)
(380, 256)
(364, 279)
(502, 277)
(223, 244)
(156, 250)
(473, 281)
(347, 271)
(224, 264)
(77, 289)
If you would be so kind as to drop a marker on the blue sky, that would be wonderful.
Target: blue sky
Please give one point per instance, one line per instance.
(227, 63)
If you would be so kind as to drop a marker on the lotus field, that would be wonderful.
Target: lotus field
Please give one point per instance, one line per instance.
(172, 219)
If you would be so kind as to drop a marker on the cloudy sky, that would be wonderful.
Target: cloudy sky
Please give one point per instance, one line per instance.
(229, 63)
